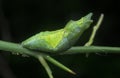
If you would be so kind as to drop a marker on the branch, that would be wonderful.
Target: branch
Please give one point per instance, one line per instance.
(17, 48)
(92, 49)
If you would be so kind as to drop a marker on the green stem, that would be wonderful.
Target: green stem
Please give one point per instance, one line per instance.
(46, 66)
(95, 28)
(55, 62)
(92, 49)
(17, 48)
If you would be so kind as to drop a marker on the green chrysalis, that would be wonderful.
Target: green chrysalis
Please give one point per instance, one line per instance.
(59, 40)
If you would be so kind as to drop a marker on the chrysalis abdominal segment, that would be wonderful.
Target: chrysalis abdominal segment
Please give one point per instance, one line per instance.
(59, 40)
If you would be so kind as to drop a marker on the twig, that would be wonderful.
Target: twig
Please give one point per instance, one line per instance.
(92, 49)
(46, 66)
(95, 28)
(17, 48)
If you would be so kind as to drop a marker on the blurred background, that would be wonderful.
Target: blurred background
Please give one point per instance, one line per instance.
(20, 19)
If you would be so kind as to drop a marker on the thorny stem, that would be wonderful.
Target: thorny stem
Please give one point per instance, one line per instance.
(46, 66)
(17, 48)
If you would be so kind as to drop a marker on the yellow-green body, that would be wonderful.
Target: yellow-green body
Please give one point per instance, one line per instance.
(59, 40)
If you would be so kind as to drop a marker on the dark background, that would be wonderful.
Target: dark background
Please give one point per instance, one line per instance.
(20, 19)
